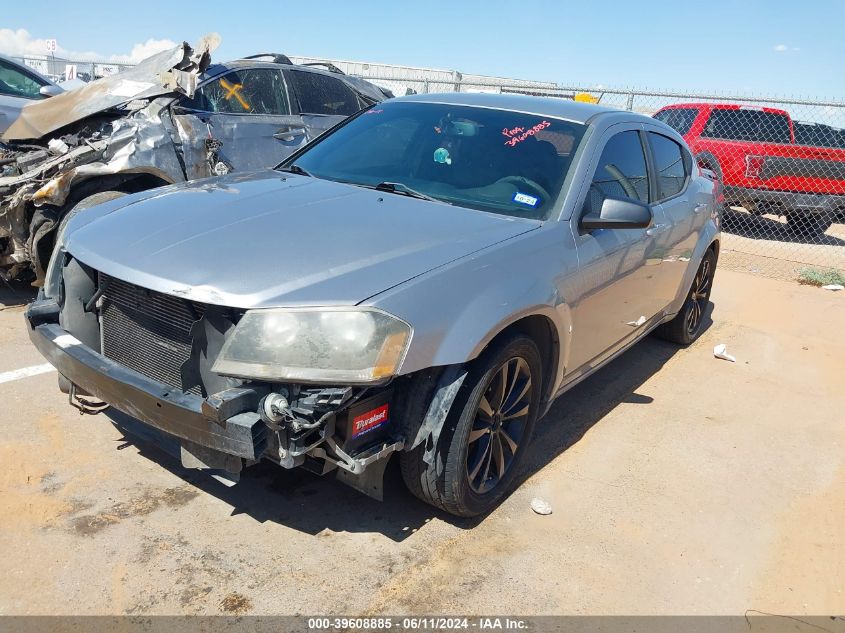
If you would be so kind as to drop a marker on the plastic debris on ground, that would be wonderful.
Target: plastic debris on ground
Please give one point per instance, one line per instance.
(541, 506)
(721, 351)
(833, 287)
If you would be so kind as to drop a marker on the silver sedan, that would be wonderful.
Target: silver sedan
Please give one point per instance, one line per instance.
(424, 279)
(20, 85)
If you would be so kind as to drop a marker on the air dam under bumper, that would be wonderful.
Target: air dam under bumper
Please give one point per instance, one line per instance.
(154, 403)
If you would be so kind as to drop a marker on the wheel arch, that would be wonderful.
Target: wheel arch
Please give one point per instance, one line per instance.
(542, 330)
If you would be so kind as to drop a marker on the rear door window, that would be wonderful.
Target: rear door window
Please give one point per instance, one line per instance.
(671, 164)
(251, 91)
(748, 125)
(322, 94)
(680, 119)
(621, 172)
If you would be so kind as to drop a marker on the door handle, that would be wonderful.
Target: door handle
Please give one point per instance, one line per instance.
(656, 229)
(699, 208)
(289, 133)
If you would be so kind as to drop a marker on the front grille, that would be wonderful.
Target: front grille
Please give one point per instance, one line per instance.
(148, 331)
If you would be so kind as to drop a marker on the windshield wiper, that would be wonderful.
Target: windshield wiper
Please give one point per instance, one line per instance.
(398, 187)
(296, 169)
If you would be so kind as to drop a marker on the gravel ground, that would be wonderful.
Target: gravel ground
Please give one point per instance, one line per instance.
(679, 483)
(765, 245)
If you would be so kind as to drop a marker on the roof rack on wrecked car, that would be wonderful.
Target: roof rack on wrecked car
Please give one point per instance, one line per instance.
(275, 58)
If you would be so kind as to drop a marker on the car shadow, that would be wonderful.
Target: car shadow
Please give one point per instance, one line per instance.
(769, 227)
(14, 294)
(311, 504)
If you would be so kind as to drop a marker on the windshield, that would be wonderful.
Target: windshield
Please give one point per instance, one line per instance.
(493, 160)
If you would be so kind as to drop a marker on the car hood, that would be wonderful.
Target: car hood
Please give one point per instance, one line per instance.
(172, 71)
(274, 239)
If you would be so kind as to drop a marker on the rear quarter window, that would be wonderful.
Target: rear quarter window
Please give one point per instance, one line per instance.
(672, 164)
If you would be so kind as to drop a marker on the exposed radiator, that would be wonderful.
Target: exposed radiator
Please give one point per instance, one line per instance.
(148, 331)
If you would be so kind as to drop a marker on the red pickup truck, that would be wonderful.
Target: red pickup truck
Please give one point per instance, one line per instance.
(753, 152)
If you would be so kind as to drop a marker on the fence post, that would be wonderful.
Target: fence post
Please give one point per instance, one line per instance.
(630, 104)
(456, 77)
(425, 87)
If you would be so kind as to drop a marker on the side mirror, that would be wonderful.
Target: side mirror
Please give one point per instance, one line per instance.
(50, 90)
(619, 214)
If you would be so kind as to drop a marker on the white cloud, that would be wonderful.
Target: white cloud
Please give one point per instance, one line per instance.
(780, 48)
(20, 43)
(144, 50)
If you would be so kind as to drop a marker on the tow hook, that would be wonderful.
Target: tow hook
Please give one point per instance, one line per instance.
(85, 404)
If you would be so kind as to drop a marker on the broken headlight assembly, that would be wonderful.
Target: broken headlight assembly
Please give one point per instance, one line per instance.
(353, 346)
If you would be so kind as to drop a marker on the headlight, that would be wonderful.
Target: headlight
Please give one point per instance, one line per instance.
(327, 345)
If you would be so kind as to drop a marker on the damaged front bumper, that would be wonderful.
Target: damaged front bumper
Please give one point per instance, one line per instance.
(225, 430)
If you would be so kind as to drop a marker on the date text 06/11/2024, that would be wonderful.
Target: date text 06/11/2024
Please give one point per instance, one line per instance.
(417, 623)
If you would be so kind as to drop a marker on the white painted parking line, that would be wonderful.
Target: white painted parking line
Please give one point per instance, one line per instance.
(26, 372)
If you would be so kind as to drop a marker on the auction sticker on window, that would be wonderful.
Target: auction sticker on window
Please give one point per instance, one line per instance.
(524, 198)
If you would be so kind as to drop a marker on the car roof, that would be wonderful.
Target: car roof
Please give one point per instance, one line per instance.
(575, 111)
(219, 67)
(364, 88)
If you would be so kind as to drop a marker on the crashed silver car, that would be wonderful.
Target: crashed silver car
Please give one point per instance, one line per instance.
(425, 279)
(174, 117)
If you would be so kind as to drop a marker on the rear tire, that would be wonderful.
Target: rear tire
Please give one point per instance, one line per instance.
(687, 324)
(485, 435)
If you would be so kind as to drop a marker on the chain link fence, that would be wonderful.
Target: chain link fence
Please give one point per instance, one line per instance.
(59, 69)
(781, 161)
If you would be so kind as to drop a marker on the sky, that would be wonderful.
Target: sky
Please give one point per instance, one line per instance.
(723, 46)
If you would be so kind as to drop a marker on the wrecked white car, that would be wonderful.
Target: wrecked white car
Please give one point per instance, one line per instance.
(172, 118)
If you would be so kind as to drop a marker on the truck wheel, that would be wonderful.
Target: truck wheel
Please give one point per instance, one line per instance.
(804, 225)
(485, 435)
(686, 326)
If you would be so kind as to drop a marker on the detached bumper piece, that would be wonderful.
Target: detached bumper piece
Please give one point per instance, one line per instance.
(179, 414)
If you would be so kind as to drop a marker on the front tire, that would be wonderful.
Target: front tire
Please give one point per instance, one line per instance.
(485, 435)
(687, 324)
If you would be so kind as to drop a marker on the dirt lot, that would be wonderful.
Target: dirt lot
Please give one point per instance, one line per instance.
(680, 484)
(764, 244)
